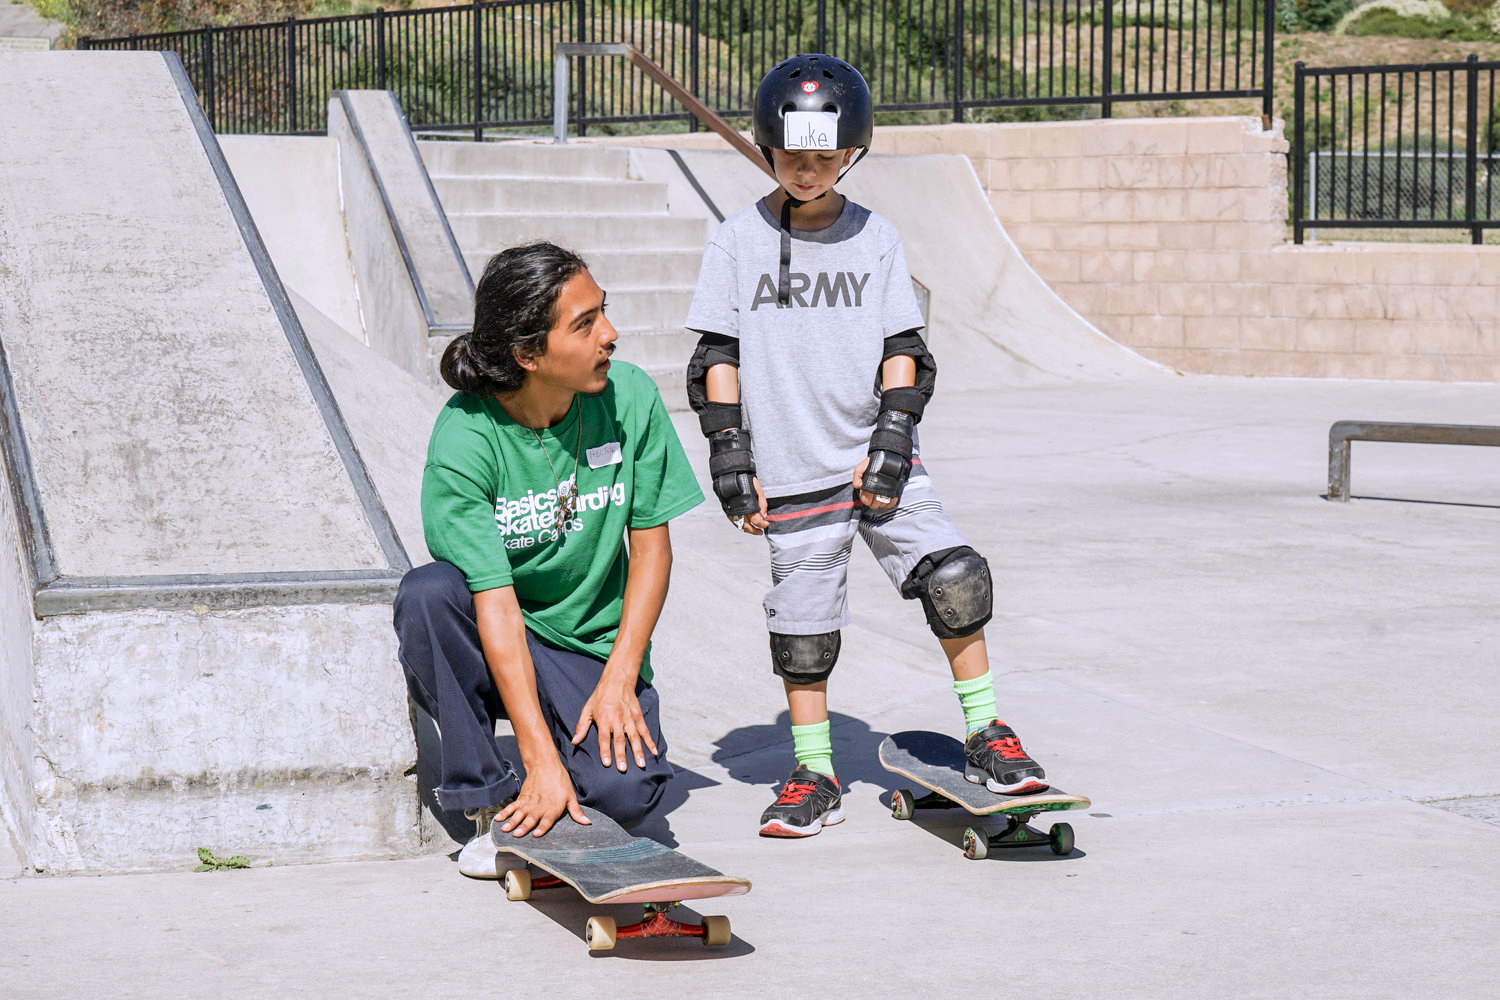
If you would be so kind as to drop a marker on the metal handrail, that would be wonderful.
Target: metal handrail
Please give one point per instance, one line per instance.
(1345, 431)
(644, 63)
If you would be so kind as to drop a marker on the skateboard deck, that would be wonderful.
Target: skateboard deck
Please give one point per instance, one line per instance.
(607, 865)
(936, 762)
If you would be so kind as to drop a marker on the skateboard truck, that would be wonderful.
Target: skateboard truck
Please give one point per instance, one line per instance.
(978, 844)
(601, 933)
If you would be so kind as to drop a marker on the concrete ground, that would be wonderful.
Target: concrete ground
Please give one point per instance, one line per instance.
(1283, 709)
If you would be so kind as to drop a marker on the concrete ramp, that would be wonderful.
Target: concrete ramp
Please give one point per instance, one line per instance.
(993, 320)
(195, 562)
(163, 400)
(416, 286)
(293, 188)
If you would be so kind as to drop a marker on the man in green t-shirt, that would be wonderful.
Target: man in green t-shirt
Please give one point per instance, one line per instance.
(539, 468)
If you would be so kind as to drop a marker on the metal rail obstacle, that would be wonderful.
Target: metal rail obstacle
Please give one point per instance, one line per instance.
(1397, 147)
(488, 64)
(1345, 431)
(696, 108)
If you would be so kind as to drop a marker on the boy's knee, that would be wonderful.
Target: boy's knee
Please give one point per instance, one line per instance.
(954, 588)
(804, 659)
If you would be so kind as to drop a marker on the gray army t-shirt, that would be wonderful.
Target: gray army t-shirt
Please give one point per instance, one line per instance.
(809, 371)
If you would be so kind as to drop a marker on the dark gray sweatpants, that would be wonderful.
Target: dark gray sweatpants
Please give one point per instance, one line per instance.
(447, 676)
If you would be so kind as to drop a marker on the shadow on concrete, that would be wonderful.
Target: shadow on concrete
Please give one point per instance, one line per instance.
(566, 909)
(428, 771)
(762, 754)
(656, 826)
(1430, 503)
(949, 825)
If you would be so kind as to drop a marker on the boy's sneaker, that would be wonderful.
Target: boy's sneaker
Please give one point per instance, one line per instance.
(480, 858)
(808, 802)
(993, 757)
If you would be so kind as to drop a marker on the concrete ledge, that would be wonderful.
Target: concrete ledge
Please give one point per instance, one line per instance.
(395, 324)
(373, 133)
(280, 705)
(185, 511)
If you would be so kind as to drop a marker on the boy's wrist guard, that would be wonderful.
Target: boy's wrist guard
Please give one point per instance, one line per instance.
(731, 465)
(890, 454)
(719, 417)
(908, 398)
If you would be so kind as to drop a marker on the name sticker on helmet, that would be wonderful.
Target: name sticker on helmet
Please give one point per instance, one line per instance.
(812, 130)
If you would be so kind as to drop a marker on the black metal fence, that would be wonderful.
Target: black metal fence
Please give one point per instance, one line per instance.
(489, 64)
(1397, 147)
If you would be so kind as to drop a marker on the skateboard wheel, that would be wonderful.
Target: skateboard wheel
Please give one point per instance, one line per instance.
(518, 884)
(976, 845)
(716, 932)
(1062, 838)
(902, 804)
(600, 933)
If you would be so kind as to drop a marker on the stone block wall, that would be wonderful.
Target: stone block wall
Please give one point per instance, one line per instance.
(1171, 236)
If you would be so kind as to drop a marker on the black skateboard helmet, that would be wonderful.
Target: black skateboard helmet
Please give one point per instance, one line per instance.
(813, 82)
(830, 108)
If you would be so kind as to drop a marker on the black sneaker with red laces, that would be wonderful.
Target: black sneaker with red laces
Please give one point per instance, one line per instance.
(808, 802)
(993, 757)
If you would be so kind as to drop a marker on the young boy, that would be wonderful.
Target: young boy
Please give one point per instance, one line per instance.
(821, 360)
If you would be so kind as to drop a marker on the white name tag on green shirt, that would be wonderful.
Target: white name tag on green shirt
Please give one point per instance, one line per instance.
(605, 454)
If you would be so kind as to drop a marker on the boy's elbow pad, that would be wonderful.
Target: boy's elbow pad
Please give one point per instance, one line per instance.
(914, 398)
(713, 349)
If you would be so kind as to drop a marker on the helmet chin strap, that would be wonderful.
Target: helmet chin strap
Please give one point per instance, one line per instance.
(784, 279)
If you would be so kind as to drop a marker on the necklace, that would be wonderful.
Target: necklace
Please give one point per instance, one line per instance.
(567, 493)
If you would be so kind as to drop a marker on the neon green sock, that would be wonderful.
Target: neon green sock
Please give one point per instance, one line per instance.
(977, 699)
(813, 747)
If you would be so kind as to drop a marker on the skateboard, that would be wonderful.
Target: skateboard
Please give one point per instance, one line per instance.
(936, 762)
(607, 865)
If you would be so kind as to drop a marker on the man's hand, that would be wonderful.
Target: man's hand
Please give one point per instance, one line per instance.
(756, 523)
(867, 498)
(545, 795)
(615, 710)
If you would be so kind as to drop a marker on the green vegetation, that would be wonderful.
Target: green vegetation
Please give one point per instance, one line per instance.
(116, 18)
(1455, 20)
(208, 863)
(1311, 15)
(1387, 22)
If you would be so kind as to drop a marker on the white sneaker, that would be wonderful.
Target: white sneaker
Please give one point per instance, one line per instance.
(480, 858)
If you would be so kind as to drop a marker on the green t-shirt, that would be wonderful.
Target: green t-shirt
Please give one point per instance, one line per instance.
(489, 499)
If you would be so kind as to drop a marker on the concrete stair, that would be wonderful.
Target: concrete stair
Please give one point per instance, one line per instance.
(581, 197)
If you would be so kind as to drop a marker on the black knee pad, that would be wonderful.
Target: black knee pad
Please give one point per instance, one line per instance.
(804, 659)
(955, 590)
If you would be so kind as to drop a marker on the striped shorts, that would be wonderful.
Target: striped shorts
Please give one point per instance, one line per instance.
(812, 535)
